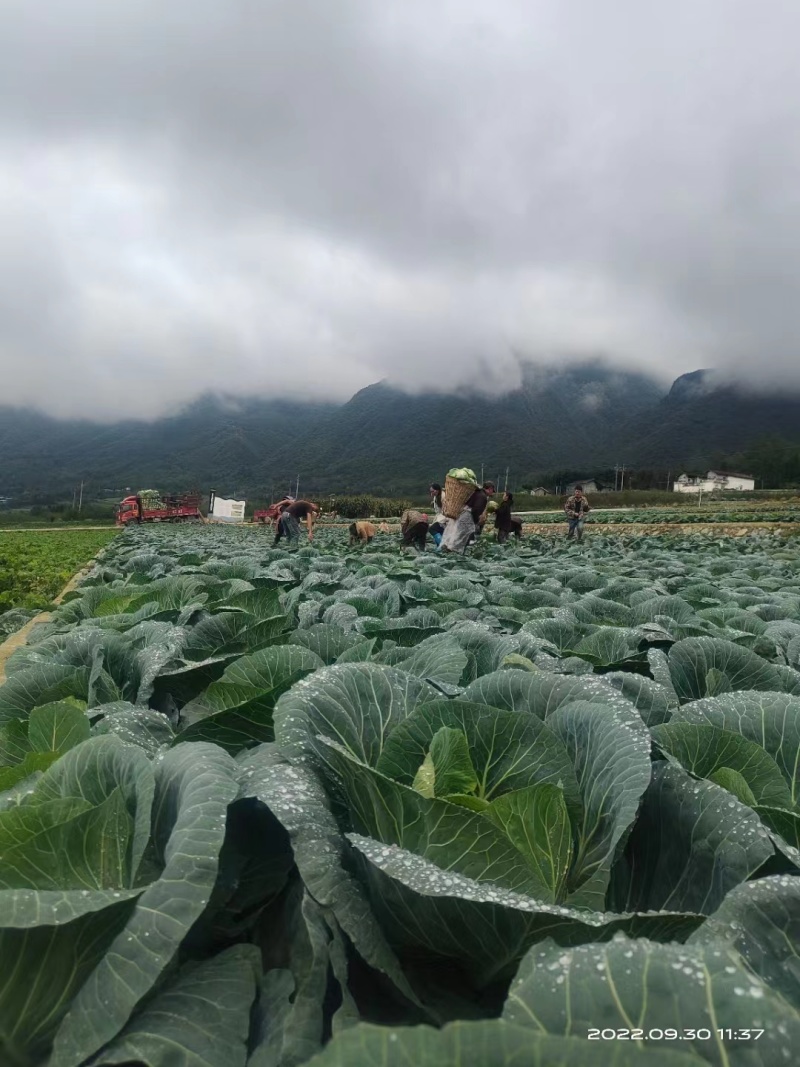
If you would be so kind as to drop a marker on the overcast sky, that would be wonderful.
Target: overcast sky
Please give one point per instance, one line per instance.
(301, 198)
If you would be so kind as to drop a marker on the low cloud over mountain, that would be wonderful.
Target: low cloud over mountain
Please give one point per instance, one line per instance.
(584, 417)
(298, 199)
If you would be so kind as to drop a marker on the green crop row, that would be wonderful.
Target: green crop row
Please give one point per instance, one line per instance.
(365, 507)
(35, 566)
(684, 515)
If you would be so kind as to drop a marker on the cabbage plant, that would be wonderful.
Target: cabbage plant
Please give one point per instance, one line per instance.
(356, 805)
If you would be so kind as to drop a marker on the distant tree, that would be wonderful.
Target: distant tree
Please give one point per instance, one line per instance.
(773, 462)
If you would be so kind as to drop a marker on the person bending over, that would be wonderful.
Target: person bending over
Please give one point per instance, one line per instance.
(504, 522)
(290, 518)
(362, 532)
(414, 528)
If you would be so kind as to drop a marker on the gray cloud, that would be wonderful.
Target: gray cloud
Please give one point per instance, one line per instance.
(298, 198)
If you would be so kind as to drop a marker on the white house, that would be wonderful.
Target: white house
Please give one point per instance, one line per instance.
(589, 486)
(713, 482)
(225, 510)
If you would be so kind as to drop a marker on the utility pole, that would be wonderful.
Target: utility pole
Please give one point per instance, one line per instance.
(74, 494)
(481, 474)
(616, 476)
(297, 488)
(669, 478)
(80, 501)
(505, 487)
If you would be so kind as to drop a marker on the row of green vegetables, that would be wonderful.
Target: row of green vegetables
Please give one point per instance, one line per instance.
(790, 513)
(358, 806)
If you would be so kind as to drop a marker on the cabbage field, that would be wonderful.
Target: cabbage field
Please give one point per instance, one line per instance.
(689, 513)
(359, 807)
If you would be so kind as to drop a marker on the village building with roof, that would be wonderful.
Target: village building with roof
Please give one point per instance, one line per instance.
(714, 481)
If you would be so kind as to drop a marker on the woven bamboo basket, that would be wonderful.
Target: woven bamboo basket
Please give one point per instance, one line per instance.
(455, 496)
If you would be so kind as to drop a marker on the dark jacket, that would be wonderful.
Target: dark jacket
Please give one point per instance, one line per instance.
(477, 504)
(502, 517)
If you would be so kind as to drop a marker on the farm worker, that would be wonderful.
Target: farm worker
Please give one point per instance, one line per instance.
(273, 514)
(504, 522)
(362, 532)
(462, 531)
(491, 506)
(290, 518)
(414, 528)
(439, 517)
(576, 509)
(287, 526)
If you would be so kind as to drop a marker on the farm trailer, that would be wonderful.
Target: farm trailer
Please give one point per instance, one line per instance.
(184, 508)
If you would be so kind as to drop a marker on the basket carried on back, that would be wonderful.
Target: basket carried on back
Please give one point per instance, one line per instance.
(455, 496)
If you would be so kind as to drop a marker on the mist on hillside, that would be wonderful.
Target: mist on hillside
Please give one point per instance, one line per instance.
(297, 200)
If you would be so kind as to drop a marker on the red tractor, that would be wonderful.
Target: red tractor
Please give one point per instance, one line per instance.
(267, 516)
(184, 508)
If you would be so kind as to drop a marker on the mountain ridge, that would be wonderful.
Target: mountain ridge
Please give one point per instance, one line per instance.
(582, 416)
